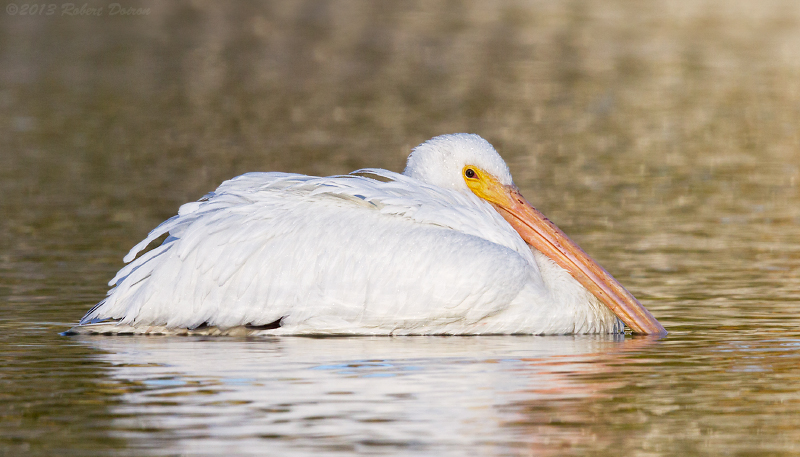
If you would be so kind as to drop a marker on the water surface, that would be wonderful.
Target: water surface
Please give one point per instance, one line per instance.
(662, 137)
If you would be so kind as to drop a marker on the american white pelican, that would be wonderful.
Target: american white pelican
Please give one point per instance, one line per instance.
(448, 247)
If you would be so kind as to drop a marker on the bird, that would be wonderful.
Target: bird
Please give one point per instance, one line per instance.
(447, 247)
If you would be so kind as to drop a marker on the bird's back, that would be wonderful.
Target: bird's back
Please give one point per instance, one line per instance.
(282, 253)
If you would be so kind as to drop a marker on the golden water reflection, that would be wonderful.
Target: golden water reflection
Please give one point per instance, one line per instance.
(661, 136)
(540, 395)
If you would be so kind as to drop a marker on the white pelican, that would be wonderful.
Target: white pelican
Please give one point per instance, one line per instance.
(448, 247)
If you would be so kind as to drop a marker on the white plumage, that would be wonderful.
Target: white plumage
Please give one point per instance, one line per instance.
(417, 253)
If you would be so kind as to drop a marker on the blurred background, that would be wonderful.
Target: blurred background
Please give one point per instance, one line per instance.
(662, 136)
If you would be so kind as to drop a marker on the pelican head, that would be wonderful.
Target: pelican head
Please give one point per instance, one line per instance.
(440, 161)
(468, 163)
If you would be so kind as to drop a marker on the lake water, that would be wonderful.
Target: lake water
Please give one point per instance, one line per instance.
(663, 137)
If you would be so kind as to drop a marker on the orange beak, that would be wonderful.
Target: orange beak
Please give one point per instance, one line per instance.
(543, 235)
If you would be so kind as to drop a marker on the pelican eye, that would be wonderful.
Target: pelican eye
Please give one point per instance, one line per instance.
(469, 173)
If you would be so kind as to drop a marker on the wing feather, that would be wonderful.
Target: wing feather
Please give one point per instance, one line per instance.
(337, 254)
